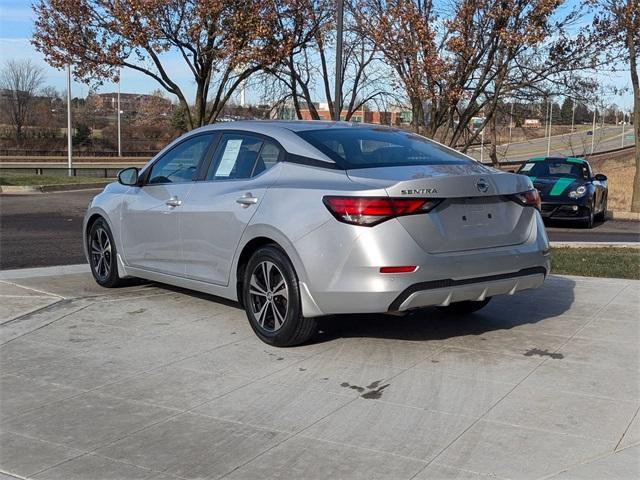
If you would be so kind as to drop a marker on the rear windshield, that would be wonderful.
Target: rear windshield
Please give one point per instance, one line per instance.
(379, 147)
(556, 169)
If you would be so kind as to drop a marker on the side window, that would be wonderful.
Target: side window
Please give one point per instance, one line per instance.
(242, 156)
(180, 164)
(269, 156)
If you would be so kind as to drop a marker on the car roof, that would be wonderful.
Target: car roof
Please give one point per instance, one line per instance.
(284, 131)
(555, 159)
(293, 125)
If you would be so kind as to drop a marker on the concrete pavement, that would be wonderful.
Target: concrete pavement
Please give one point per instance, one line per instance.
(148, 382)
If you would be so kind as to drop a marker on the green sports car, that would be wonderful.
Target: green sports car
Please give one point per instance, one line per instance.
(568, 188)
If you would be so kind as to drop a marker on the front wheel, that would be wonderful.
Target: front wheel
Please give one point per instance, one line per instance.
(468, 306)
(103, 255)
(271, 298)
(588, 223)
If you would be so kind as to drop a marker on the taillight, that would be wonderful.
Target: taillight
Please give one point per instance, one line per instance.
(369, 211)
(530, 198)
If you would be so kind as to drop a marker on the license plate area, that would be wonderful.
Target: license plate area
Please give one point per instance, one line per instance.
(474, 213)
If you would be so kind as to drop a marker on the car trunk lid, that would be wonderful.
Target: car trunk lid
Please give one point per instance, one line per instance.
(475, 212)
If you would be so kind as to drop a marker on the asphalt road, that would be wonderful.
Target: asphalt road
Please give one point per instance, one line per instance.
(41, 230)
(578, 143)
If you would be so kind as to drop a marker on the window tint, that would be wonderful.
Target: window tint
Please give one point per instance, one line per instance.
(379, 147)
(242, 156)
(269, 156)
(560, 169)
(180, 164)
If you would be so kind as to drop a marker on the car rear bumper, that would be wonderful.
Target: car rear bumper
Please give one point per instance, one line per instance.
(342, 273)
(445, 292)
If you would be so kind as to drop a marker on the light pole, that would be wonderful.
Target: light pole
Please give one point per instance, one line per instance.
(482, 139)
(119, 131)
(550, 118)
(337, 101)
(593, 130)
(573, 114)
(511, 121)
(69, 141)
(622, 141)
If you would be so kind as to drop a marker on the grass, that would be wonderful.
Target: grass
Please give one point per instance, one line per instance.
(11, 179)
(620, 170)
(596, 262)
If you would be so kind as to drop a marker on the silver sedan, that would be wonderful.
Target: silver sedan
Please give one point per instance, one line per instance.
(295, 220)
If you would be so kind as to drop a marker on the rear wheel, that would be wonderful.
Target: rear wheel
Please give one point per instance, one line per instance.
(465, 307)
(601, 217)
(271, 298)
(103, 255)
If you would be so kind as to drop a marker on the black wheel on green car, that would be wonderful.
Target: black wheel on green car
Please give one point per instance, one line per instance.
(271, 298)
(103, 255)
(588, 223)
(602, 216)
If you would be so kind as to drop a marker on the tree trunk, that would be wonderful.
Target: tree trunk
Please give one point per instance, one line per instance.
(635, 199)
(416, 113)
(493, 152)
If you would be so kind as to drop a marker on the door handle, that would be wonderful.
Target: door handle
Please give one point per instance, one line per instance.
(174, 202)
(247, 199)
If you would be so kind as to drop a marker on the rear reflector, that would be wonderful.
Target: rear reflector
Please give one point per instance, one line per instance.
(369, 211)
(403, 269)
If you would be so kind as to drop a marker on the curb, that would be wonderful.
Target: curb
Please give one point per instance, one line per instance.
(50, 188)
(44, 271)
(595, 245)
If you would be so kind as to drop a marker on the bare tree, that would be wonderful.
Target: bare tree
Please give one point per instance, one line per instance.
(308, 71)
(617, 27)
(221, 43)
(21, 79)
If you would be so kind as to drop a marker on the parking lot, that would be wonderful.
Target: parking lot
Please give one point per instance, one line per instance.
(150, 382)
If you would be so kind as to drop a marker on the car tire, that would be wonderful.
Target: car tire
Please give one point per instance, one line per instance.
(462, 308)
(602, 216)
(271, 299)
(588, 223)
(103, 257)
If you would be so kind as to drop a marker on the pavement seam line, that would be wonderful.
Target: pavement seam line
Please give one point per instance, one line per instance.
(189, 411)
(48, 294)
(481, 417)
(301, 432)
(615, 449)
(45, 325)
(13, 475)
(593, 459)
(63, 301)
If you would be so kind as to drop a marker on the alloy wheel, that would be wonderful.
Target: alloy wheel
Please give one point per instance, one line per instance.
(101, 253)
(269, 295)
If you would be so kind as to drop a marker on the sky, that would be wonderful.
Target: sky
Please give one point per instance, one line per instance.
(16, 28)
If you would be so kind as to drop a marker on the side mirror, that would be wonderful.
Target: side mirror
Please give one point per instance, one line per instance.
(128, 176)
(600, 177)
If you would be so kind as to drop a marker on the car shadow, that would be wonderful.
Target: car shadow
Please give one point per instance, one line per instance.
(502, 313)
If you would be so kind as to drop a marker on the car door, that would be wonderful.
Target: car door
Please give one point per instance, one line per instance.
(218, 208)
(149, 222)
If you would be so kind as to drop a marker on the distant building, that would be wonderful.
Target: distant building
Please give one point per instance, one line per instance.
(531, 123)
(395, 117)
(130, 103)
